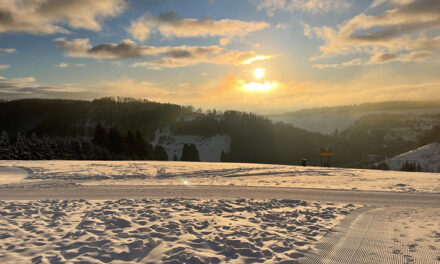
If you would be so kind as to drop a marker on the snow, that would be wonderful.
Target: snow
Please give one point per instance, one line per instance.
(427, 156)
(177, 230)
(216, 173)
(12, 174)
(210, 148)
(163, 231)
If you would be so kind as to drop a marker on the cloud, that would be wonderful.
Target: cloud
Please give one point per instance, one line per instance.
(224, 41)
(372, 86)
(282, 26)
(4, 66)
(126, 49)
(7, 51)
(408, 27)
(63, 65)
(233, 57)
(161, 57)
(172, 25)
(28, 87)
(229, 92)
(381, 58)
(309, 6)
(51, 16)
(307, 30)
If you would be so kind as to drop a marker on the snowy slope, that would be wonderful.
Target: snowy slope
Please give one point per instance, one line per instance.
(209, 148)
(427, 156)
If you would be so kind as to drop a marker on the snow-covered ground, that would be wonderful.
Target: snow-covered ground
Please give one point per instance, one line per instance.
(427, 156)
(163, 231)
(209, 148)
(205, 173)
(177, 230)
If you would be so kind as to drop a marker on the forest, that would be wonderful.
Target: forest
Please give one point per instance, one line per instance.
(121, 129)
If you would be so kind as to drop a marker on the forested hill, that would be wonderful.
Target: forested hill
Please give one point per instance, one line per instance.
(253, 138)
(368, 107)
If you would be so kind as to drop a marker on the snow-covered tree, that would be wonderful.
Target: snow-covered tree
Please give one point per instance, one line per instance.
(21, 147)
(5, 147)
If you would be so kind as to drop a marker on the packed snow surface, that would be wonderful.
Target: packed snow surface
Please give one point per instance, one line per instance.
(205, 173)
(427, 156)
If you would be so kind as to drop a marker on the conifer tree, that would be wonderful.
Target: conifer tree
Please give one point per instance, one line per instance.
(21, 147)
(115, 141)
(5, 147)
(130, 145)
(143, 149)
(190, 153)
(160, 153)
(99, 136)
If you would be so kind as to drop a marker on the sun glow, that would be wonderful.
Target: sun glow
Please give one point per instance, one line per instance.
(259, 87)
(259, 73)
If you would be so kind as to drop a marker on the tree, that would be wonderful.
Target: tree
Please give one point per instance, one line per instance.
(408, 166)
(190, 153)
(36, 147)
(76, 150)
(419, 167)
(143, 149)
(160, 153)
(5, 147)
(99, 136)
(115, 141)
(225, 157)
(21, 147)
(130, 145)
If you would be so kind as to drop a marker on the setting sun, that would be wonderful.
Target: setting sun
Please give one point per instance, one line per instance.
(259, 73)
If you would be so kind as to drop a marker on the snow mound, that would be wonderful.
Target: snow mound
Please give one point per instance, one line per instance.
(427, 156)
(12, 174)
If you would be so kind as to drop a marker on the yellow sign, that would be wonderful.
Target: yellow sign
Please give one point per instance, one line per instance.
(326, 152)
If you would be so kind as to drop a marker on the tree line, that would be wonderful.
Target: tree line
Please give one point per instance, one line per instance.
(106, 144)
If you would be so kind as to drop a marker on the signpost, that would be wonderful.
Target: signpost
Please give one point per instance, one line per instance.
(325, 152)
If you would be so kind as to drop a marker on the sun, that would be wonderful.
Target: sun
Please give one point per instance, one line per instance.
(259, 73)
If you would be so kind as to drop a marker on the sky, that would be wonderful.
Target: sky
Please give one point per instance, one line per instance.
(264, 56)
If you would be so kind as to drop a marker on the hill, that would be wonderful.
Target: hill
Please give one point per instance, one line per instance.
(426, 158)
(329, 119)
(252, 138)
(141, 129)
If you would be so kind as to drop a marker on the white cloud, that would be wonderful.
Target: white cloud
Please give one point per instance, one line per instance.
(63, 65)
(232, 57)
(282, 26)
(309, 6)
(7, 51)
(4, 66)
(408, 31)
(172, 25)
(51, 16)
(161, 57)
